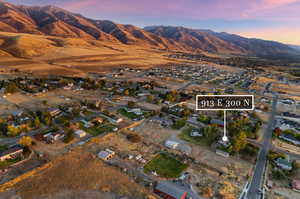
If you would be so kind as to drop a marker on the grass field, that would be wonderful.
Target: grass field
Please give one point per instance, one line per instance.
(127, 114)
(8, 162)
(165, 166)
(100, 130)
(185, 135)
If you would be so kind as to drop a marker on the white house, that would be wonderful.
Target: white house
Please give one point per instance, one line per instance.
(106, 154)
(80, 133)
(171, 144)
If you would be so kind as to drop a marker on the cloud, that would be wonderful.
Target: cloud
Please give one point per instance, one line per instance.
(263, 6)
(79, 4)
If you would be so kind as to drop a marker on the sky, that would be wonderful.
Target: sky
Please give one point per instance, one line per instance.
(277, 20)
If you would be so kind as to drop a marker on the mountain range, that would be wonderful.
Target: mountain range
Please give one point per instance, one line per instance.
(54, 21)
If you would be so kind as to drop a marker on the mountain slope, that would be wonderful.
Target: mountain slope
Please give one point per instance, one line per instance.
(50, 20)
(53, 21)
(221, 42)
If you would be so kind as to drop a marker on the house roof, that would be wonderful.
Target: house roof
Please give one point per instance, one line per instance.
(11, 150)
(218, 122)
(290, 136)
(103, 154)
(177, 189)
(296, 184)
(283, 162)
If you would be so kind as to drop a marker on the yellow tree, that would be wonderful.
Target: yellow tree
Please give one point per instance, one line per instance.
(25, 141)
(207, 192)
(13, 131)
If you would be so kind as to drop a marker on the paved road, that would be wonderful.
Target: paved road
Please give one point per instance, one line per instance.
(15, 140)
(256, 181)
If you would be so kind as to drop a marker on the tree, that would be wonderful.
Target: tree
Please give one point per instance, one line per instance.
(69, 136)
(207, 192)
(150, 98)
(37, 122)
(135, 138)
(44, 102)
(277, 131)
(131, 104)
(203, 118)
(126, 92)
(3, 127)
(239, 142)
(13, 131)
(25, 141)
(179, 124)
(101, 83)
(211, 133)
(11, 88)
(220, 114)
(186, 112)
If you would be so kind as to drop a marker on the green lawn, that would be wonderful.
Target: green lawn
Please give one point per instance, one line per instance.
(185, 135)
(165, 166)
(63, 119)
(7, 163)
(3, 148)
(127, 114)
(100, 130)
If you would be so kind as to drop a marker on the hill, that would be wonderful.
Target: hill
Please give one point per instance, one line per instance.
(214, 42)
(54, 21)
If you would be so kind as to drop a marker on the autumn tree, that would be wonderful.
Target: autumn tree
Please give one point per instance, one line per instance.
(13, 131)
(37, 122)
(131, 104)
(25, 141)
(207, 192)
(239, 142)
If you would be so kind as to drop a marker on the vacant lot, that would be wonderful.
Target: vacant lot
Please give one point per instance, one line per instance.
(77, 171)
(165, 166)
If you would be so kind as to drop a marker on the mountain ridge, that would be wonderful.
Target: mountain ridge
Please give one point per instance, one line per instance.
(55, 21)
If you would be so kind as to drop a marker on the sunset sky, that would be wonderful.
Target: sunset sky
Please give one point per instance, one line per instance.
(267, 19)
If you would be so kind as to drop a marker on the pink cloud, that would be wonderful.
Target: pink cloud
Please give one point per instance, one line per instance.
(77, 5)
(188, 9)
(263, 6)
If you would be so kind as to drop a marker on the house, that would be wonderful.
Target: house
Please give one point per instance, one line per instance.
(54, 136)
(87, 124)
(290, 138)
(111, 118)
(98, 120)
(54, 111)
(175, 190)
(296, 185)
(106, 154)
(222, 153)
(217, 122)
(196, 133)
(80, 133)
(11, 153)
(136, 111)
(171, 144)
(283, 164)
(17, 113)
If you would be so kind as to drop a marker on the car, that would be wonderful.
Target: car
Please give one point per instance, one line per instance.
(259, 191)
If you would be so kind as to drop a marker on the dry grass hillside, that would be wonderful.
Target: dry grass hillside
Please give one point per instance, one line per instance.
(77, 173)
(46, 55)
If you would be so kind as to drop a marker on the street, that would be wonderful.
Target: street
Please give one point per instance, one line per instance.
(259, 171)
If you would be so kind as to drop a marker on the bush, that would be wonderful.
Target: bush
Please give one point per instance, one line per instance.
(204, 119)
(135, 138)
(179, 124)
(69, 136)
